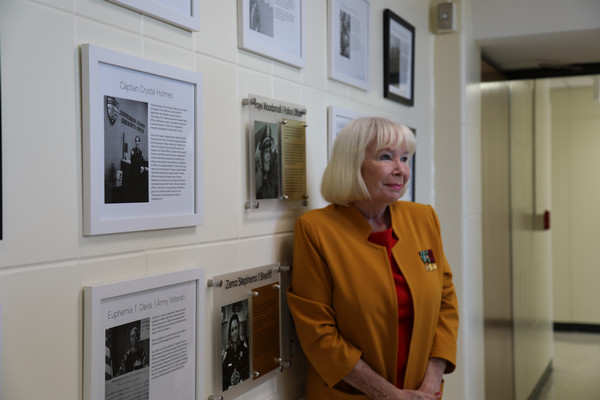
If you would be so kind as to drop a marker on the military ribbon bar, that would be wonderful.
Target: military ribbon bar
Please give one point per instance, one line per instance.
(428, 259)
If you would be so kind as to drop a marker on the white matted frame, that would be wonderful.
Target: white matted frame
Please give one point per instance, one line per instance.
(349, 31)
(273, 29)
(181, 13)
(142, 142)
(164, 314)
(337, 118)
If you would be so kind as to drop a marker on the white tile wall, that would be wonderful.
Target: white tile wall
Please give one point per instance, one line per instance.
(457, 149)
(41, 334)
(575, 140)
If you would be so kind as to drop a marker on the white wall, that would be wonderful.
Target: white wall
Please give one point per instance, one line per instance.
(575, 199)
(517, 250)
(45, 261)
(531, 250)
(457, 162)
(496, 241)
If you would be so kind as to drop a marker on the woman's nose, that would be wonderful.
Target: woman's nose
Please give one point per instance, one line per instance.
(399, 167)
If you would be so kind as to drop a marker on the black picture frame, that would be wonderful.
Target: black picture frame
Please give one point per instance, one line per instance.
(398, 59)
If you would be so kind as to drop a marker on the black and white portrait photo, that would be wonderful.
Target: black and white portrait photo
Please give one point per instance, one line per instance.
(127, 348)
(127, 360)
(125, 151)
(266, 160)
(261, 17)
(345, 31)
(394, 64)
(235, 354)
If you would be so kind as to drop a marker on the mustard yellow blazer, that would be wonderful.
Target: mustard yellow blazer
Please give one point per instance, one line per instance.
(343, 298)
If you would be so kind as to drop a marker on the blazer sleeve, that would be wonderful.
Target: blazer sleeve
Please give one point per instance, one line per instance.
(445, 341)
(310, 302)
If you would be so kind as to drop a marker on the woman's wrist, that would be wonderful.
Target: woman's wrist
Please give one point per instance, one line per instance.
(433, 375)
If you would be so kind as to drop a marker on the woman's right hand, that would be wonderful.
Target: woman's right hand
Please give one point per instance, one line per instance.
(363, 378)
(418, 395)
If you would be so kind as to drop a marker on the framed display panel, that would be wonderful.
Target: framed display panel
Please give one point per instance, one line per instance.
(141, 143)
(277, 150)
(337, 118)
(248, 320)
(181, 13)
(398, 59)
(274, 29)
(145, 337)
(349, 41)
(409, 195)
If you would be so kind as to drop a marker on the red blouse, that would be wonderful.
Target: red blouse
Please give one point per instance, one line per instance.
(405, 305)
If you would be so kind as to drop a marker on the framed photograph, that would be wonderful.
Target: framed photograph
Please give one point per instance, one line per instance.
(274, 29)
(145, 336)
(398, 59)
(267, 160)
(276, 151)
(235, 348)
(337, 118)
(349, 38)
(250, 329)
(141, 143)
(181, 13)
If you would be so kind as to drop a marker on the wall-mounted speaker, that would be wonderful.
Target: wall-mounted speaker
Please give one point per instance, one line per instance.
(446, 17)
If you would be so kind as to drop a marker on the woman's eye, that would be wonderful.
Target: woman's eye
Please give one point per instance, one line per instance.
(404, 159)
(385, 156)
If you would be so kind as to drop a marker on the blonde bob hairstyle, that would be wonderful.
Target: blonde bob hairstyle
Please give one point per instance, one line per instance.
(342, 181)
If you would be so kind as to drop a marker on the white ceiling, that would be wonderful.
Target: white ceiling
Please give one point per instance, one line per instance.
(544, 37)
(551, 51)
(543, 50)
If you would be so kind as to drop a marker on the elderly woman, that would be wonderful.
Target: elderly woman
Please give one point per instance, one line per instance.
(372, 295)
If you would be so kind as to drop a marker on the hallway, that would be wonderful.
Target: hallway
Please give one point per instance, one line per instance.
(576, 373)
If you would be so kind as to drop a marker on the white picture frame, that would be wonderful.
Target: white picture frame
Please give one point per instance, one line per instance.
(165, 315)
(337, 118)
(349, 49)
(269, 29)
(141, 119)
(181, 13)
